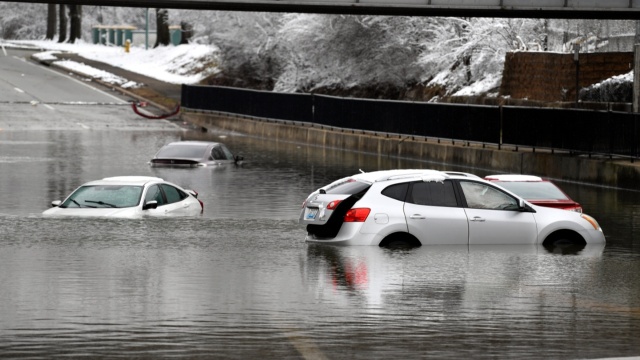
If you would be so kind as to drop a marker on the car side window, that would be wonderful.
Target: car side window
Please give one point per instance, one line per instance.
(483, 196)
(217, 153)
(397, 191)
(154, 194)
(433, 193)
(173, 195)
(227, 152)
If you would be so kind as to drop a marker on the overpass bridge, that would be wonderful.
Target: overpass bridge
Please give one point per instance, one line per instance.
(562, 9)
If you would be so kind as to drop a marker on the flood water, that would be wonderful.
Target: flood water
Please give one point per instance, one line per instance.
(239, 282)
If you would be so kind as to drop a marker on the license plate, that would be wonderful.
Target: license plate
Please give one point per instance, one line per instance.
(311, 213)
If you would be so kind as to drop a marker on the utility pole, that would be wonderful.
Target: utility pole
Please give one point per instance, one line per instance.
(146, 31)
(576, 59)
(636, 69)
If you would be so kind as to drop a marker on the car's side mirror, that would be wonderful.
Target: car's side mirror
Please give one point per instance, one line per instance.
(521, 205)
(153, 204)
(56, 203)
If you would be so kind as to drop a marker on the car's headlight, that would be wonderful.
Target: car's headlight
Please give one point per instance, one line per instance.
(591, 221)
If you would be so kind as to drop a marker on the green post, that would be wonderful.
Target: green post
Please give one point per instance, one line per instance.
(95, 35)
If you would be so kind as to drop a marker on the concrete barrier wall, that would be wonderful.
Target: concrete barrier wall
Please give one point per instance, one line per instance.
(605, 172)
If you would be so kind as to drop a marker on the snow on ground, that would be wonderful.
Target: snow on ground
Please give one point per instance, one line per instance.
(624, 78)
(182, 64)
(491, 81)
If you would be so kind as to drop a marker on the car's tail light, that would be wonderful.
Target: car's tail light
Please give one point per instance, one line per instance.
(332, 205)
(357, 215)
(195, 195)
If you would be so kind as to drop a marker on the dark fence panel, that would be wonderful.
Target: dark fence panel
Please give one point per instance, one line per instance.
(463, 122)
(583, 131)
(266, 104)
(624, 133)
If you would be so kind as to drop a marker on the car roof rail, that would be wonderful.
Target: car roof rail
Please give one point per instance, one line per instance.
(417, 174)
(459, 173)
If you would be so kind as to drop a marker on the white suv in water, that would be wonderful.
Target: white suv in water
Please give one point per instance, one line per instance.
(428, 207)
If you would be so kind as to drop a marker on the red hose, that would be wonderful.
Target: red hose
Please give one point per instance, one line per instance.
(134, 105)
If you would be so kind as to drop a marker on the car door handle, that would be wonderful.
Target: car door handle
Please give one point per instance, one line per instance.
(477, 219)
(417, 217)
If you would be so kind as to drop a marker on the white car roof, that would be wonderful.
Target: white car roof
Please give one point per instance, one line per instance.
(383, 175)
(424, 174)
(513, 177)
(192, 143)
(125, 180)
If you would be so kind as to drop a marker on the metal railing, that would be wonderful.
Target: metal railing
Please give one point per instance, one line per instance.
(577, 131)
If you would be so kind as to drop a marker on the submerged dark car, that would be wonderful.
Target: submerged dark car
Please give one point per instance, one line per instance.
(194, 154)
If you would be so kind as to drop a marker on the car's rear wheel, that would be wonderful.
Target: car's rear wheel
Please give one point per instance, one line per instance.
(400, 241)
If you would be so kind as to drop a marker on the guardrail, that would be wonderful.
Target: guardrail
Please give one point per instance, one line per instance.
(607, 133)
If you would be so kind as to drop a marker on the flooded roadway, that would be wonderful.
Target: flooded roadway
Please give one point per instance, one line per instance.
(238, 282)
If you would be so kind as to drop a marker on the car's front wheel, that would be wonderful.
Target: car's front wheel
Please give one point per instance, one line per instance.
(564, 238)
(564, 242)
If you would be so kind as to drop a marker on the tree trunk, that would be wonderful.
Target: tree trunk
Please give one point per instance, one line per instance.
(75, 15)
(63, 23)
(52, 19)
(186, 30)
(162, 27)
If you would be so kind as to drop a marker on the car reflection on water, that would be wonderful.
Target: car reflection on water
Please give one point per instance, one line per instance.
(373, 276)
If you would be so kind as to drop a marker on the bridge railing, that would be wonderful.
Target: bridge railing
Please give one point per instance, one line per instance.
(576, 131)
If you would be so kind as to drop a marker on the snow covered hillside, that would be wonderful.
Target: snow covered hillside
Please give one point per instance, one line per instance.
(372, 56)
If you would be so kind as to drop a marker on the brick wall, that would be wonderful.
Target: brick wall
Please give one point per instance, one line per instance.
(552, 76)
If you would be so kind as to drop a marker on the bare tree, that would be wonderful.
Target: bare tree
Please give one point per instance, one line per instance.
(186, 30)
(62, 24)
(52, 19)
(162, 27)
(75, 15)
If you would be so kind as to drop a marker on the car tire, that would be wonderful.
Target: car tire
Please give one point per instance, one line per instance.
(400, 241)
(564, 242)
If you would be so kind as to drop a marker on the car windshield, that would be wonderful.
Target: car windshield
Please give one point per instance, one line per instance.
(183, 151)
(104, 196)
(534, 190)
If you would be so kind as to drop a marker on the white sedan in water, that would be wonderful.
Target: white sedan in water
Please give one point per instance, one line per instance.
(128, 197)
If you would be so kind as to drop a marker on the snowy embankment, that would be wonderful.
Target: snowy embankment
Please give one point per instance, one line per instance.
(191, 63)
(182, 64)
(615, 89)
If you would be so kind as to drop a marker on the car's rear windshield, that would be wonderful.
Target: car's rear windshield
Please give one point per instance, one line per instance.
(348, 187)
(534, 190)
(183, 151)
